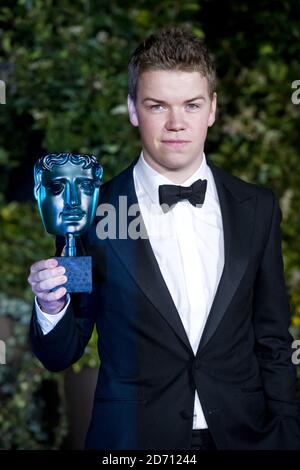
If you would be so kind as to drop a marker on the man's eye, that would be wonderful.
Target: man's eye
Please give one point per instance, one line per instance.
(87, 186)
(193, 106)
(157, 108)
(55, 187)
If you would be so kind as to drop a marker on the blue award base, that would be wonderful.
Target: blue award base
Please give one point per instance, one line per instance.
(78, 271)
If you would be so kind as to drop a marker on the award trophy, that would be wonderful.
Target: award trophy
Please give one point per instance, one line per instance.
(66, 187)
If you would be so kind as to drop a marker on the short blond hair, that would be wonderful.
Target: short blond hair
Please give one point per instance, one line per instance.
(171, 49)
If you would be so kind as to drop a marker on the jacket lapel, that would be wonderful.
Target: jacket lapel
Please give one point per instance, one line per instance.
(238, 213)
(138, 258)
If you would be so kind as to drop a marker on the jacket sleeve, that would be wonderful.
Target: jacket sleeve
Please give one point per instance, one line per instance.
(271, 323)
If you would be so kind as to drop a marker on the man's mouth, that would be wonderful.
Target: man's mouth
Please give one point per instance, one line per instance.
(175, 143)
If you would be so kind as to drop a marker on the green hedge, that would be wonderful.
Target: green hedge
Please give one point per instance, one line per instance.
(65, 71)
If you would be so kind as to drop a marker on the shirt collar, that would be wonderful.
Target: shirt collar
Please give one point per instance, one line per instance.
(150, 179)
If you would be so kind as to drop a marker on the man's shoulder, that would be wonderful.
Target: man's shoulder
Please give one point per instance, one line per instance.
(240, 187)
(117, 183)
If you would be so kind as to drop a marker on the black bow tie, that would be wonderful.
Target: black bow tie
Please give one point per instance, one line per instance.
(170, 194)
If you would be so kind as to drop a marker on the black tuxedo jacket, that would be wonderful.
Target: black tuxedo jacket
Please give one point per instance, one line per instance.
(242, 371)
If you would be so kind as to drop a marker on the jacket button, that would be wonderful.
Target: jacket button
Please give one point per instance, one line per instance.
(186, 415)
(196, 364)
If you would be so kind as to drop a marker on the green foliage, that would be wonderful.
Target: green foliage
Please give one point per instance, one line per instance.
(22, 405)
(76, 57)
(22, 423)
(90, 357)
(23, 241)
(65, 67)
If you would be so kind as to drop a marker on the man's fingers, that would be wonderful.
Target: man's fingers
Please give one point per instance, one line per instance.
(43, 264)
(51, 283)
(44, 277)
(52, 296)
(46, 274)
(39, 287)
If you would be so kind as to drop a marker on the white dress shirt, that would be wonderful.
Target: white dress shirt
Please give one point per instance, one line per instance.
(188, 245)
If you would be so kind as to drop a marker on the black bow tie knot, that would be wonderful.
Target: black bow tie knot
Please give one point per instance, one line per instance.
(170, 194)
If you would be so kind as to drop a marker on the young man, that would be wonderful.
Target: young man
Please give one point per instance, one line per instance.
(193, 317)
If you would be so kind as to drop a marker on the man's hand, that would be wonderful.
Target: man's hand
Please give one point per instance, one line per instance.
(44, 276)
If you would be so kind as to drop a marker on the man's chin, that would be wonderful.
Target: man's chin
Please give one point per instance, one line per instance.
(177, 162)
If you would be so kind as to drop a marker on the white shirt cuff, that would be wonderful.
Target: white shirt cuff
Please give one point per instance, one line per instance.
(47, 322)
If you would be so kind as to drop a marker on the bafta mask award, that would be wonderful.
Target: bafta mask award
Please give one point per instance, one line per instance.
(66, 187)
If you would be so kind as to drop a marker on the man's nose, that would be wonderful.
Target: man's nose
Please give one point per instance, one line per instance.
(175, 121)
(73, 195)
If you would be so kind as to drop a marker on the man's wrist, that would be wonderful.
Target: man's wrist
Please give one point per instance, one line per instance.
(54, 310)
(48, 321)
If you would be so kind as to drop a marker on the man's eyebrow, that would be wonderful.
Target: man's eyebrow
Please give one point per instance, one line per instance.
(198, 97)
(155, 100)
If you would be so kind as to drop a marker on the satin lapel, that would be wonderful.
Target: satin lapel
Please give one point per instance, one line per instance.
(138, 258)
(238, 214)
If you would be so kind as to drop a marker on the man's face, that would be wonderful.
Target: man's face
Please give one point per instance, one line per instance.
(68, 198)
(173, 111)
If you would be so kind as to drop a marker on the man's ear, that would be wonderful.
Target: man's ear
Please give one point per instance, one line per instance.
(213, 110)
(132, 112)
